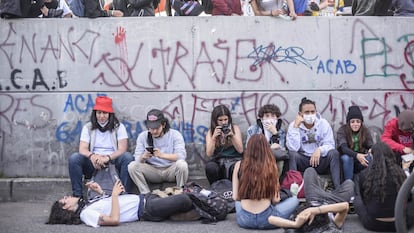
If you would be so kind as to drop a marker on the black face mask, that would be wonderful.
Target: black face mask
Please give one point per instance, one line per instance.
(52, 5)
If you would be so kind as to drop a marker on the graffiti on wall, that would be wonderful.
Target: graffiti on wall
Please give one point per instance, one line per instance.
(178, 78)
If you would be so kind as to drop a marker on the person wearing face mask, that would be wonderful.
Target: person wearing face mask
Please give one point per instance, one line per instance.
(311, 143)
(269, 124)
(103, 140)
(159, 154)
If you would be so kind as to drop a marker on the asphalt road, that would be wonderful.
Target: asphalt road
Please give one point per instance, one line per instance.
(29, 217)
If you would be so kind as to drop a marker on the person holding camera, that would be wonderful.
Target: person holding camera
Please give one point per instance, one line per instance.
(223, 145)
(103, 140)
(270, 125)
(159, 154)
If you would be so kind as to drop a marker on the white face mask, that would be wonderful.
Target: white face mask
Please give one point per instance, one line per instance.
(269, 121)
(309, 119)
(104, 124)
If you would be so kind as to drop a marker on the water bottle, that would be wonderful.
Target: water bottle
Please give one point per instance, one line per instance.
(294, 189)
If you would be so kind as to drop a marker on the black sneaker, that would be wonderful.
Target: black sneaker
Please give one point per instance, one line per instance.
(54, 13)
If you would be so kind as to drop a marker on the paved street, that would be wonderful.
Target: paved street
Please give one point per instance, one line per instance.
(29, 217)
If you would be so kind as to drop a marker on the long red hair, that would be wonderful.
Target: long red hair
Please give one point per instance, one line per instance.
(259, 178)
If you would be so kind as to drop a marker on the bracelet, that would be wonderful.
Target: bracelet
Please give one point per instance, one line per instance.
(109, 157)
(271, 13)
(90, 155)
(319, 208)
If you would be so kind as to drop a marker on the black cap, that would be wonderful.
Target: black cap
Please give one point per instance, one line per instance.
(154, 119)
(354, 113)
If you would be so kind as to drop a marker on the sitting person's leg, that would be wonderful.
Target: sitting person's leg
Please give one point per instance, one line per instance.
(158, 209)
(348, 166)
(177, 172)
(121, 164)
(141, 173)
(212, 171)
(330, 164)
(78, 164)
(315, 193)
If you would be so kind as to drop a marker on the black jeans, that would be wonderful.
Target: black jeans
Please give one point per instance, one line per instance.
(158, 209)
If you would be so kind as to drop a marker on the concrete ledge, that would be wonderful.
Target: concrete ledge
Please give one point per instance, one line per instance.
(39, 189)
(5, 190)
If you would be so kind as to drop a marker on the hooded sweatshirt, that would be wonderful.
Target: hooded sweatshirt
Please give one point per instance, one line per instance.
(398, 132)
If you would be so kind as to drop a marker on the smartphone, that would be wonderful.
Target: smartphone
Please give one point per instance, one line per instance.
(150, 149)
(408, 157)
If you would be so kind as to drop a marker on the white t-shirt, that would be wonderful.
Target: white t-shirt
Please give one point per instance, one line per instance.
(128, 204)
(103, 143)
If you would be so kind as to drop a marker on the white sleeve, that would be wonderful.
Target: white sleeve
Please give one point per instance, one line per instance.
(90, 217)
(85, 137)
(121, 132)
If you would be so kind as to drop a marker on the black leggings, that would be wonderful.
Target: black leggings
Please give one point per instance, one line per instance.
(159, 209)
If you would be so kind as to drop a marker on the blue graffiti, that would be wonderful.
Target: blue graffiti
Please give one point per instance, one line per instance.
(263, 54)
(80, 103)
(336, 67)
(64, 133)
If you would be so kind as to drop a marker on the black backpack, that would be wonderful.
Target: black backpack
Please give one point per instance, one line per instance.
(224, 188)
(209, 205)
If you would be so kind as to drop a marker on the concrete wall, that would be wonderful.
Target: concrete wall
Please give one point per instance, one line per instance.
(52, 70)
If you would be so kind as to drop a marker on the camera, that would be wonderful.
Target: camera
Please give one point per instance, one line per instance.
(225, 128)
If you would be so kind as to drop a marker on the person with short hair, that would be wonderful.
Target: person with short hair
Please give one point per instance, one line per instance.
(269, 124)
(311, 143)
(159, 154)
(354, 141)
(103, 140)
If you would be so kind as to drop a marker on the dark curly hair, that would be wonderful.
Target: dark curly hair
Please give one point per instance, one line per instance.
(58, 215)
(383, 165)
(269, 108)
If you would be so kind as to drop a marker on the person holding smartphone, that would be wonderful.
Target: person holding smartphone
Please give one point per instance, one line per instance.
(159, 154)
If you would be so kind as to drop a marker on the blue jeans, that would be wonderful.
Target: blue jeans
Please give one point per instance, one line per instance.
(349, 164)
(249, 220)
(80, 165)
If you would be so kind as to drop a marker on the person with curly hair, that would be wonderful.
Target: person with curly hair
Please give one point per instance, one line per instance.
(224, 145)
(116, 208)
(377, 190)
(354, 141)
(256, 187)
(103, 140)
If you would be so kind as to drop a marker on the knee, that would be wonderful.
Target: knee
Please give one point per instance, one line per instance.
(310, 171)
(133, 167)
(181, 165)
(74, 158)
(127, 158)
(346, 158)
(211, 166)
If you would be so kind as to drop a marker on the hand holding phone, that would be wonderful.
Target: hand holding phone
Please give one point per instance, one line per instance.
(408, 157)
(150, 149)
